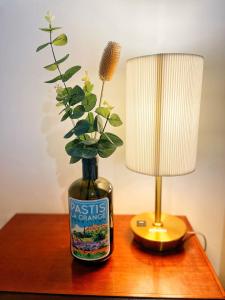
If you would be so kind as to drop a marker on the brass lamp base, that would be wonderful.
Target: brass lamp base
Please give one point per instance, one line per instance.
(159, 237)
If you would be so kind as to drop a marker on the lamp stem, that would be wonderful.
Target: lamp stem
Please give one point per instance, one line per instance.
(158, 195)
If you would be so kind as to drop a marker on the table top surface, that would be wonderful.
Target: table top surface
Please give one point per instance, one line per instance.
(35, 258)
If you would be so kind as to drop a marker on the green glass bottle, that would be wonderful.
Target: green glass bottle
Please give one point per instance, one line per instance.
(91, 215)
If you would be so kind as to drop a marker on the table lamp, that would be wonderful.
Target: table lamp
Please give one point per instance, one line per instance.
(163, 93)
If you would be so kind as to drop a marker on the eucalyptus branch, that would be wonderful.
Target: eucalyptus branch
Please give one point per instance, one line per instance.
(55, 60)
(60, 73)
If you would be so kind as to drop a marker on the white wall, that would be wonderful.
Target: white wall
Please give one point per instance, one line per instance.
(35, 173)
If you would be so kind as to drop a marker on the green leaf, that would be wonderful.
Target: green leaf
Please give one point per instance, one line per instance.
(105, 148)
(103, 111)
(70, 72)
(54, 79)
(64, 109)
(62, 59)
(69, 133)
(53, 67)
(77, 150)
(60, 40)
(67, 115)
(89, 152)
(78, 112)
(50, 29)
(74, 159)
(114, 120)
(89, 102)
(63, 93)
(42, 47)
(66, 76)
(90, 119)
(84, 137)
(70, 146)
(81, 127)
(89, 142)
(76, 95)
(88, 87)
(112, 138)
(98, 124)
(59, 104)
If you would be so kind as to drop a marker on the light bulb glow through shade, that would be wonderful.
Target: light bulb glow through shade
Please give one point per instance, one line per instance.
(163, 94)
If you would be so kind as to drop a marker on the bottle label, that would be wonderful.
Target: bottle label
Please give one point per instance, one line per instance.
(89, 228)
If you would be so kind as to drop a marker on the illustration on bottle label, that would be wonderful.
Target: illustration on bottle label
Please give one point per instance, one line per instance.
(89, 228)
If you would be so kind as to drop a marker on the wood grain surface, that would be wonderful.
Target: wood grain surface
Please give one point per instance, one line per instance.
(35, 260)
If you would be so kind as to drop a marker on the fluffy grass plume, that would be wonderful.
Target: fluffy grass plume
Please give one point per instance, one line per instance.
(109, 60)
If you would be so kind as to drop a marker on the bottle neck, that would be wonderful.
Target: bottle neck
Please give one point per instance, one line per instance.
(90, 168)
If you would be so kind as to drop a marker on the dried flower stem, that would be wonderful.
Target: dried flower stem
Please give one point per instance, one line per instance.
(101, 95)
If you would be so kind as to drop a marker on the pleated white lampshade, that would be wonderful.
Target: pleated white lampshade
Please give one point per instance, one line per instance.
(163, 96)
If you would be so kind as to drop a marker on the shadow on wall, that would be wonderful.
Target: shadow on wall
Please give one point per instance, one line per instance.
(222, 258)
(54, 130)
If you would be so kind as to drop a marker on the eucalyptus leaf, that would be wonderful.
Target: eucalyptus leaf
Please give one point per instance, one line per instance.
(54, 79)
(105, 148)
(76, 95)
(69, 134)
(63, 94)
(78, 112)
(70, 72)
(114, 120)
(89, 142)
(50, 29)
(42, 47)
(98, 124)
(103, 111)
(60, 40)
(64, 109)
(77, 150)
(53, 67)
(112, 138)
(74, 159)
(66, 115)
(81, 127)
(89, 152)
(59, 104)
(84, 137)
(89, 102)
(71, 145)
(90, 119)
(81, 150)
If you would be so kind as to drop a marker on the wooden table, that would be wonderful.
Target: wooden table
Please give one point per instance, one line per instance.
(35, 263)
